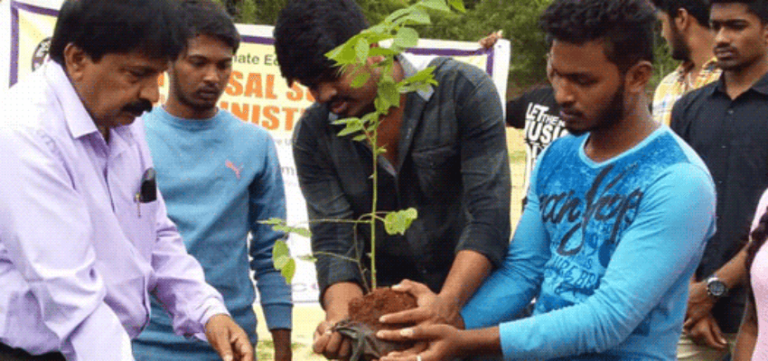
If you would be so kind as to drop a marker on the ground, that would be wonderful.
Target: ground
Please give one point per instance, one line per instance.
(306, 317)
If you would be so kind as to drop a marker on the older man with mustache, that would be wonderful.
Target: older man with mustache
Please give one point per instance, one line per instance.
(84, 235)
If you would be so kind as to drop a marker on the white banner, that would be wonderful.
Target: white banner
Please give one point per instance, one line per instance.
(256, 92)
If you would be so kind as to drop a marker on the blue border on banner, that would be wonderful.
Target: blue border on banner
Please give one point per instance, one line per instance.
(15, 7)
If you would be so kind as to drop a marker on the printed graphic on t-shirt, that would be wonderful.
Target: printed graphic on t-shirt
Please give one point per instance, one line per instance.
(541, 128)
(587, 226)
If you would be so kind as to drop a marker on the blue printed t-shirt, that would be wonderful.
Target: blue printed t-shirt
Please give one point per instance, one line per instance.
(607, 248)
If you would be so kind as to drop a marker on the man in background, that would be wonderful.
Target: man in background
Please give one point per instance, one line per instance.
(685, 27)
(84, 234)
(726, 122)
(220, 177)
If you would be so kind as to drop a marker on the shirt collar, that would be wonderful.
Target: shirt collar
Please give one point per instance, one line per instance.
(78, 120)
(761, 86)
(412, 65)
(685, 67)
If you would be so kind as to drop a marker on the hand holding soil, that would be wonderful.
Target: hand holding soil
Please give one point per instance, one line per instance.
(331, 344)
(444, 343)
(432, 308)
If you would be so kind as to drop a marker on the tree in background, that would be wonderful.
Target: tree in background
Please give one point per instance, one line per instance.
(518, 18)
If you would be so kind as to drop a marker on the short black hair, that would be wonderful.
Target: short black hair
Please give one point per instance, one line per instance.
(625, 26)
(699, 9)
(205, 17)
(101, 27)
(757, 7)
(307, 29)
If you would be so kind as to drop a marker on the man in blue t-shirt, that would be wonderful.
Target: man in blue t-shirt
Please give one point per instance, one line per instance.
(219, 176)
(617, 218)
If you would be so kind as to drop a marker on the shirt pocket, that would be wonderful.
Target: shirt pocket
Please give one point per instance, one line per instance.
(437, 171)
(144, 234)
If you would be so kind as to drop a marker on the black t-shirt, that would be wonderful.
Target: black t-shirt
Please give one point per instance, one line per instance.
(538, 113)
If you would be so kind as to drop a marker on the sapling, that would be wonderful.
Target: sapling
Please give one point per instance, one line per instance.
(386, 41)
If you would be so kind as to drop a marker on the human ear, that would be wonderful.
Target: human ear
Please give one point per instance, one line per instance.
(75, 61)
(681, 20)
(637, 77)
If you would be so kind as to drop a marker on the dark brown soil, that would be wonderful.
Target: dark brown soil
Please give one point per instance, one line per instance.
(380, 302)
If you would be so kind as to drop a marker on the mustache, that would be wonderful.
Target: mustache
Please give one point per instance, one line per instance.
(138, 107)
(724, 48)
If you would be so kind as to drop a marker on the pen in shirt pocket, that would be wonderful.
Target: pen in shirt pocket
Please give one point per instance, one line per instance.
(147, 191)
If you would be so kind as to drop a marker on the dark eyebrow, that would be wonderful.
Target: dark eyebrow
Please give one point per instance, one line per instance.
(728, 22)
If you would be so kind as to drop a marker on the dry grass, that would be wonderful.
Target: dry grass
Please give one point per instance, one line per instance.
(306, 317)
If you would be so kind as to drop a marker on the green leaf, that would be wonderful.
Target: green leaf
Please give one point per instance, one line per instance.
(280, 254)
(416, 17)
(361, 49)
(438, 5)
(398, 222)
(289, 271)
(396, 15)
(351, 128)
(360, 79)
(382, 51)
(343, 54)
(308, 258)
(406, 38)
(273, 221)
(390, 96)
(359, 138)
(345, 121)
(288, 229)
(458, 5)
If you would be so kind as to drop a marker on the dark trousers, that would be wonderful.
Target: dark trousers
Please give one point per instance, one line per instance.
(8, 353)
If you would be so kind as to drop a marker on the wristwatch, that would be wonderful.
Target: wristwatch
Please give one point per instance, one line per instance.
(716, 288)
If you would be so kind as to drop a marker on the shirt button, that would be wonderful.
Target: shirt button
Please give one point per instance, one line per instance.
(730, 111)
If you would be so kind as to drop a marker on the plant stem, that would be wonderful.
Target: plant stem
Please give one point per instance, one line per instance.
(375, 193)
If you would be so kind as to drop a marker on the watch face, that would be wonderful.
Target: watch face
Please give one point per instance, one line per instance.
(716, 288)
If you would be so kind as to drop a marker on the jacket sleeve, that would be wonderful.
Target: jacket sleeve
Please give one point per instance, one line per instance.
(484, 165)
(325, 199)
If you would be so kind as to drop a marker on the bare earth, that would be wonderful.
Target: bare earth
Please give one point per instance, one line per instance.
(307, 316)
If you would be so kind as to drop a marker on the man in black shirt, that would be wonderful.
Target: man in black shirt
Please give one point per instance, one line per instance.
(537, 112)
(726, 122)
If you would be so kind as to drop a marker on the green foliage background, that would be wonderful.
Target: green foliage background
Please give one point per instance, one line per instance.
(518, 19)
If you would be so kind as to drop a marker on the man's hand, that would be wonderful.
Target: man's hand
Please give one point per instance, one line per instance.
(228, 339)
(282, 341)
(444, 343)
(707, 332)
(331, 344)
(336, 303)
(699, 304)
(490, 40)
(432, 308)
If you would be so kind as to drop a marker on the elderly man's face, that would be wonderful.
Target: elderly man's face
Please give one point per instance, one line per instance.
(118, 87)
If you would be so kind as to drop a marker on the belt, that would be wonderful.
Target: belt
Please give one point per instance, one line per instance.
(8, 353)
